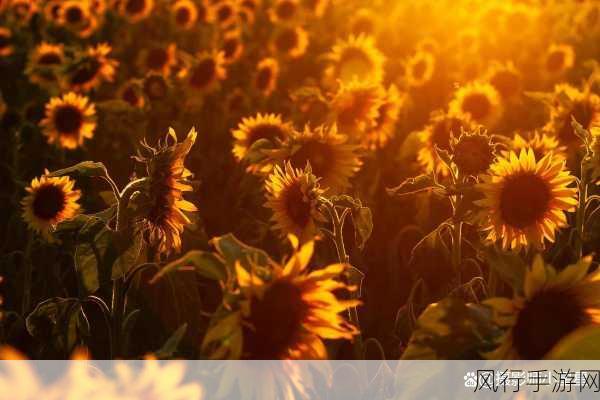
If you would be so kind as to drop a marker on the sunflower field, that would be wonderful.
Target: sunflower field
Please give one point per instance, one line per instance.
(300, 179)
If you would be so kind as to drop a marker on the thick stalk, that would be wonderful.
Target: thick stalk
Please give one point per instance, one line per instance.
(580, 218)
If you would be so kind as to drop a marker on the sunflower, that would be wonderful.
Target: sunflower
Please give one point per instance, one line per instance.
(6, 43)
(232, 47)
(525, 201)
(237, 101)
(185, 13)
(69, 120)
(155, 87)
(158, 59)
(43, 63)
(168, 180)
(136, 10)
(225, 13)
(290, 41)
(315, 7)
(74, 15)
(23, 10)
(559, 59)
(332, 159)
(132, 92)
(284, 11)
(472, 153)
(540, 143)
(293, 197)
(384, 127)
(420, 68)
(50, 200)
(52, 10)
(356, 58)
(552, 305)
(262, 126)
(91, 69)
(267, 73)
(287, 314)
(479, 102)
(355, 107)
(207, 71)
(506, 79)
(570, 102)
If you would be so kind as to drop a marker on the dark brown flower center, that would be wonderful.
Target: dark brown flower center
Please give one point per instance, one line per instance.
(86, 72)
(478, 105)
(287, 40)
(135, 6)
(74, 15)
(155, 87)
(203, 73)
(183, 15)
(555, 61)
(473, 155)
(418, 69)
(4, 40)
(224, 13)
(546, 318)
(285, 10)
(130, 96)
(68, 120)
(275, 321)
(50, 59)
(524, 200)
(320, 155)
(48, 202)
(265, 131)
(263, 78)
(230, 47)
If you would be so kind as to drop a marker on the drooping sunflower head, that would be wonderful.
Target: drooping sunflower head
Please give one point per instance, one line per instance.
(6, 42)
(136, 10)
(207, 71)
(159, 59)
(438, 133)
(525, 200)
(284, 11)
(44, 62)
(132, 92)
(552, 305)
(570, 102)
(388, 113)
(168, 180)
(540, 143)
(506, 79)
(50, 200)
(290, 41)
(420, 68)
(269, 127)
(284, 311)
(479, 102)
(232, 46)
(559, 59)
(293, 197)
(355, 107)
(184, 13)
(472, 153)
(69, 120)
(356, 58)
(267, 74)
(332, 159)
(90, 69)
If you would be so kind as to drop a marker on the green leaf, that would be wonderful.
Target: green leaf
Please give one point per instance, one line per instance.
(85, 168)
(452, 329)
(346, 201)
(580, 131)
(232, 250)
(89, 258)
(414, 185)
(582, 344)
(205, 263)
(509, 266)
(258, 151)
(56, 321)
(363, 225)
(129, 250)
(171, 345)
